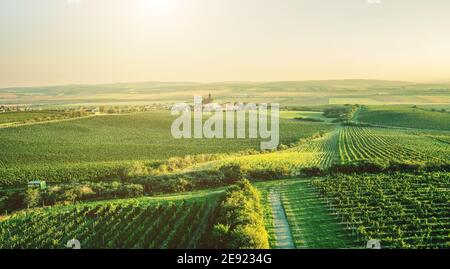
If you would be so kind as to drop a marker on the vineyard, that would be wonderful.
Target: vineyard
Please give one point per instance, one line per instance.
(320, 151)
(406, 116)
(62, 173)
(99, 147)
(348, 144)
(171, 222)
(312, 223)
(90, 160)
(400, 210)
(363, 143)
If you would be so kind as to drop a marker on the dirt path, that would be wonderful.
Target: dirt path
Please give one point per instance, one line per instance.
(283, 236)
(20, 124)
(355, 117)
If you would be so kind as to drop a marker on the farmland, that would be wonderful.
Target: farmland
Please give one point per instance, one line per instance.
(320, 151)
(349, 144)
(312, 223)
(407, 116)
(361, 143)
(401, 210)
(141, 136)
(347, 182)
(98, 147)
(166, 222)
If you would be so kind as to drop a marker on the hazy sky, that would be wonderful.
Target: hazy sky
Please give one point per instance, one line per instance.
(44, 42)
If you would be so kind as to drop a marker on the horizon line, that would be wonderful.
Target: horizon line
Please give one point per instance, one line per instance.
(219, 82)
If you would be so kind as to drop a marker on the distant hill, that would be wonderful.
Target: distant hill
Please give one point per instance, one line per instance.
(284, 92)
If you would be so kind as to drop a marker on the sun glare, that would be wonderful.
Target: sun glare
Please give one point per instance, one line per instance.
(158, 7)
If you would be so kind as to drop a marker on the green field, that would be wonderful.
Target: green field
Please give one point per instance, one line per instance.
(400, 210)
(336, 185)
(406, 116)
(141, 136)
(348, 144)
(95, 146)
(361, 143)
(183, 221)
(312, 223)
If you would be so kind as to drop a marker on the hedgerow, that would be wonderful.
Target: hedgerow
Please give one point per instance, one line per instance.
(240, 224)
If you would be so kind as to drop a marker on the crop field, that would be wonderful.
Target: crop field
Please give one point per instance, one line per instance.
(141, 136)
(347, 144)
(312, 223)
(400, 210)
(97, 147)
(442, 138)
(321, 209)
(315, 152)
(363, 143)
(406, 116)
(171, 222)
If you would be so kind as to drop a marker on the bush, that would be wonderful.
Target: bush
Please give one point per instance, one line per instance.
(136, 169)
(341, 113)
(359, 167)
(406, 166)
(19, 199)
(241, 220)
(269, 173)
(312, 171)
(231, 173)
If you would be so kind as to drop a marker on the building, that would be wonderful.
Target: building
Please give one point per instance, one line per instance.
(209, 100)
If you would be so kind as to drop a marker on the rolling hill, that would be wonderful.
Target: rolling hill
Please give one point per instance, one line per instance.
(287, 93)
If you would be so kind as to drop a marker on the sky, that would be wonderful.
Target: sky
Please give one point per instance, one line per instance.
(54, 42)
